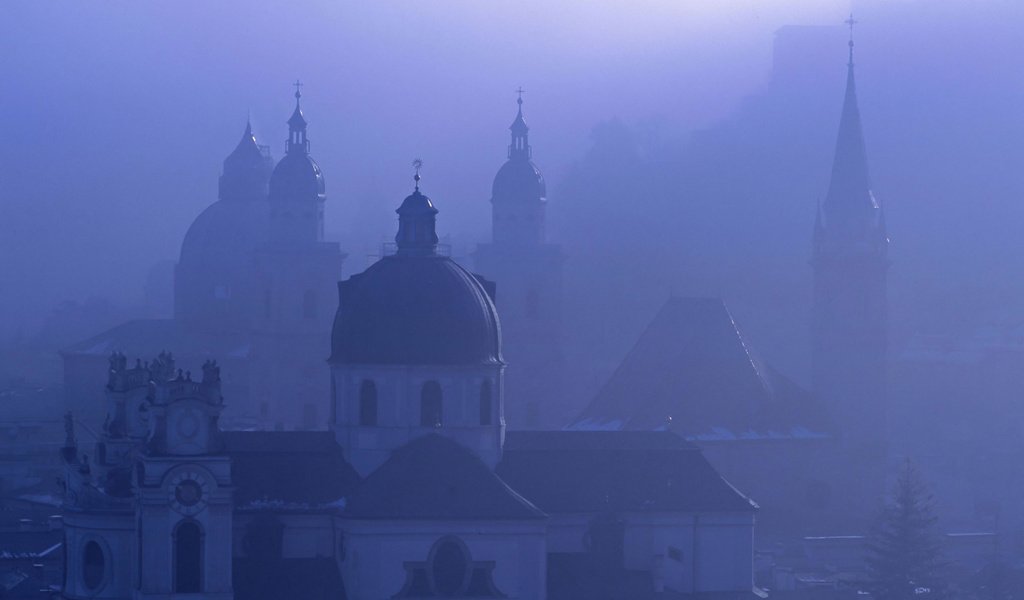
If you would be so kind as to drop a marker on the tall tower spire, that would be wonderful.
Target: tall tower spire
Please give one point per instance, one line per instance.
(850, 298)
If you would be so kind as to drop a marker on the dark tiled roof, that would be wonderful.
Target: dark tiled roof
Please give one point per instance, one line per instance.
(692, 365)
(290, 469)
(416, 310)
(434, 477)
(145, 338)
(584, 471)
(282, 578)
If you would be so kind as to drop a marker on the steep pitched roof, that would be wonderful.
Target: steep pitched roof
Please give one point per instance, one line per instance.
(288, 470)
(434, 477)
(692, 372)
(594, 471)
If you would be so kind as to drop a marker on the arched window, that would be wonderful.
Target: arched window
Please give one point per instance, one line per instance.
(368, 403)
(486, 403)
(93, 565)
(431, 414)
(309, 305)
(188, 558)
(449, 567)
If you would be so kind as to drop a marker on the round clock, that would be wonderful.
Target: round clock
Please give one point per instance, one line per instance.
(189, 493)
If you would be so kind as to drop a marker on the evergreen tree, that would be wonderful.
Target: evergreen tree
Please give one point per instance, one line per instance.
(904, 552)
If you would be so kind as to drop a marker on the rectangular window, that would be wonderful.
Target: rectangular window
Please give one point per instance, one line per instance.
(675, 554)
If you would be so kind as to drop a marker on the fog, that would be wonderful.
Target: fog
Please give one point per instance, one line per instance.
(685, 146)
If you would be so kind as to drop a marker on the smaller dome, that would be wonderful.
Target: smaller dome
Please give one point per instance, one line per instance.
(296, 176)
(519, 179)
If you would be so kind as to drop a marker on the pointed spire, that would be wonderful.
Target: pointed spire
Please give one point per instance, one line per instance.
(417, 222)
(248, 150)
(297, 125)
(520, 147)
(849, 191)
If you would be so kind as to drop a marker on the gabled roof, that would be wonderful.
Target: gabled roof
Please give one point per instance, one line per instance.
(692, 372)
(596, 471)
(436, 478)
(145, 338)
(288, 470)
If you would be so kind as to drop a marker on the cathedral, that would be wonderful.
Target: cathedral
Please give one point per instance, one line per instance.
(416, 490)
(253, 288)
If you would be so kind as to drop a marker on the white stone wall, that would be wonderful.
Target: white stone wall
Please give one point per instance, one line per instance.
(398, 410)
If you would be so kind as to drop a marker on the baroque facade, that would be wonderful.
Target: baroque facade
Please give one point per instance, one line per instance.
(417, 490)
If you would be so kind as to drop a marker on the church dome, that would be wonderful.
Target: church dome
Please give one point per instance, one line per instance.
(296, 176)
(519, 179)
(416, 310)
(225, 229)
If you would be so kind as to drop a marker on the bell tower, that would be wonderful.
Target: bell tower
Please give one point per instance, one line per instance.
(528, 272)
(850, 262)
(184, 498)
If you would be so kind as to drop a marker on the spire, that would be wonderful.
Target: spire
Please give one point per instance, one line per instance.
(520, 147)
(417, 222)
(247, 148)
(297, 141)
(849, 191)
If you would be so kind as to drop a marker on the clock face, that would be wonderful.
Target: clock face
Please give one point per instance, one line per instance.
(189, 493)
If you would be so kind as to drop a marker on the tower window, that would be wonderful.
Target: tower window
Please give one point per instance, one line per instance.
(431, 414)
(309, 305)
(93, 565)
(368, 403)
(485, 402)
(188, 550)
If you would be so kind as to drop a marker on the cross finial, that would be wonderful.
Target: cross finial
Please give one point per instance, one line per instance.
(520, 91)
(417, 164)
(851, 22)
(298, 89)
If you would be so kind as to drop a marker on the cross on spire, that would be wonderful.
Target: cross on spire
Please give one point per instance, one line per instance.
(520, 91)
(417, 164)
(851, 22)
(298, 89)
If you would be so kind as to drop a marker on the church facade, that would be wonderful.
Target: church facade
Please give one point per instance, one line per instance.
(253, 286)
(417, 490)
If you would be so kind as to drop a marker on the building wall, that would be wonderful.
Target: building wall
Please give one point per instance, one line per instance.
(376, 552)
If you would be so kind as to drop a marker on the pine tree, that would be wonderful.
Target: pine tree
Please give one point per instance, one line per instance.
(904, 552)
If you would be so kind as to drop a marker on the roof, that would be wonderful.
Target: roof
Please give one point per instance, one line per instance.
(288, 469)
(416, 310)
(518, 179)
(692, 371)
(148, 337)
(297, 177)
(436, 478)
(594, 471)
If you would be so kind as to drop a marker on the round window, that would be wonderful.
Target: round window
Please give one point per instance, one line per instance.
(93, 565)
(188, 493)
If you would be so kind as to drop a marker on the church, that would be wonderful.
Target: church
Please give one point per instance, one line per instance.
(253, 287)
(416, 489)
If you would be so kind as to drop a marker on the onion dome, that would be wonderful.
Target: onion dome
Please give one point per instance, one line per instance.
(297, 176)
(246, 170)
(416, 307)
(519, 178)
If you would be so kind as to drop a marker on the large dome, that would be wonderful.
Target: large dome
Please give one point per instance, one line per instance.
(518, 179)
(296, 176)
(225, 231)
(416, 310)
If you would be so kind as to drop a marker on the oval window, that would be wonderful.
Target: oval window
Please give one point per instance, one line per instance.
(93, 565)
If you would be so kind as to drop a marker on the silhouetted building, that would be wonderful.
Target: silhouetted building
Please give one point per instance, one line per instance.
(849, 314)
(528, 270)
(416, 493)
(253, 286)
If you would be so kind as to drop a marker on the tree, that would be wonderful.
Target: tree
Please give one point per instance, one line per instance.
(904, 552)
